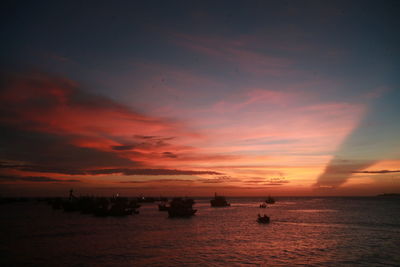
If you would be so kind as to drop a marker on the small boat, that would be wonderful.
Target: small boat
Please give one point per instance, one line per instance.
(181, 207)
(116, 207)
(219, 201)
(263, 205)
(263, 219)
(270, 200)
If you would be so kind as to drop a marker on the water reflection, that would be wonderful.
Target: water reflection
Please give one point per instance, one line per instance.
(324, 232)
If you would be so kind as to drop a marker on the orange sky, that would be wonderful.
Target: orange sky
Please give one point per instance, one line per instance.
(224, 148)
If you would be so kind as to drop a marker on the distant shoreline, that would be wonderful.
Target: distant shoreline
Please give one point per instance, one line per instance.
(208, 197)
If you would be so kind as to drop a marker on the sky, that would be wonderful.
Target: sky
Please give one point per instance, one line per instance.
(188, 98)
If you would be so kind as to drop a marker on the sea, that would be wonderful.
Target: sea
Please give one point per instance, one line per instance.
(303, 231)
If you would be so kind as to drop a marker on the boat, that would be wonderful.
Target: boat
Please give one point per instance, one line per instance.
(270, 200)
(263, 205)
(116, 207)
(219, 201)
(263, 219)
(162, 207)
(181, 207)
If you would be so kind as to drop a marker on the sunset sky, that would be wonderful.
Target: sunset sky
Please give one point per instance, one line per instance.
(243, 98)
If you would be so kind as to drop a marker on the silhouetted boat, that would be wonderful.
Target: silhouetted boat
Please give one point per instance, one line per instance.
(181, 207)
(263, 205)
(117, 207)
(162, 207)
(219, 201)
(71, 204)
(270, 200)
(119, 210)
(98, 206)
(263, 219)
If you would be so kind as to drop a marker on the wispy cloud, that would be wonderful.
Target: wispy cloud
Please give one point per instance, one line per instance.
(235, 52)
(380, 171)
(266, 181)
(219, 180)
(338, 171)
(121, 171)
(13, 178)
(160, 181)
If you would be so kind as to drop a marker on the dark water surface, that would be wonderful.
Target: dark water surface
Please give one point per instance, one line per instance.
(303, 231)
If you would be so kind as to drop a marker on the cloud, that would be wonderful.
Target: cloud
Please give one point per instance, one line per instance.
(57, 105)
(169, 155)
(151, 142)
(123, 171)
(219, 180)
(50, 124)
(154, 172)
(54, 151)
(267, 181)
(381, 171)
(338, 171)
(156, 181)
(374, 139)
(123, 147)
(234, 52)
(13, 178)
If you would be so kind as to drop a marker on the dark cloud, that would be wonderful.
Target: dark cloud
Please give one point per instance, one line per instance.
(152, 143)
(123, 147)
(122, 171)
(267, 181)
(375, 138)
(153, 137)
(53, 152)
(42, 117)
(338, 171)
(169, 155)
(13, 178)
(381, 171)
(253, 181)
(164, 172)
(277, 181)
(145, 136)
(156, 181)
(219, 180)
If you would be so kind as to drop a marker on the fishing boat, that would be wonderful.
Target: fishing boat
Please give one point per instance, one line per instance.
(116, 207)
(263, 219)
(219, 201)
(270, 200)
(181, 207)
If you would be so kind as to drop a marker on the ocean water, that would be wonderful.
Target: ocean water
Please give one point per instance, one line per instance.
(303, 231)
